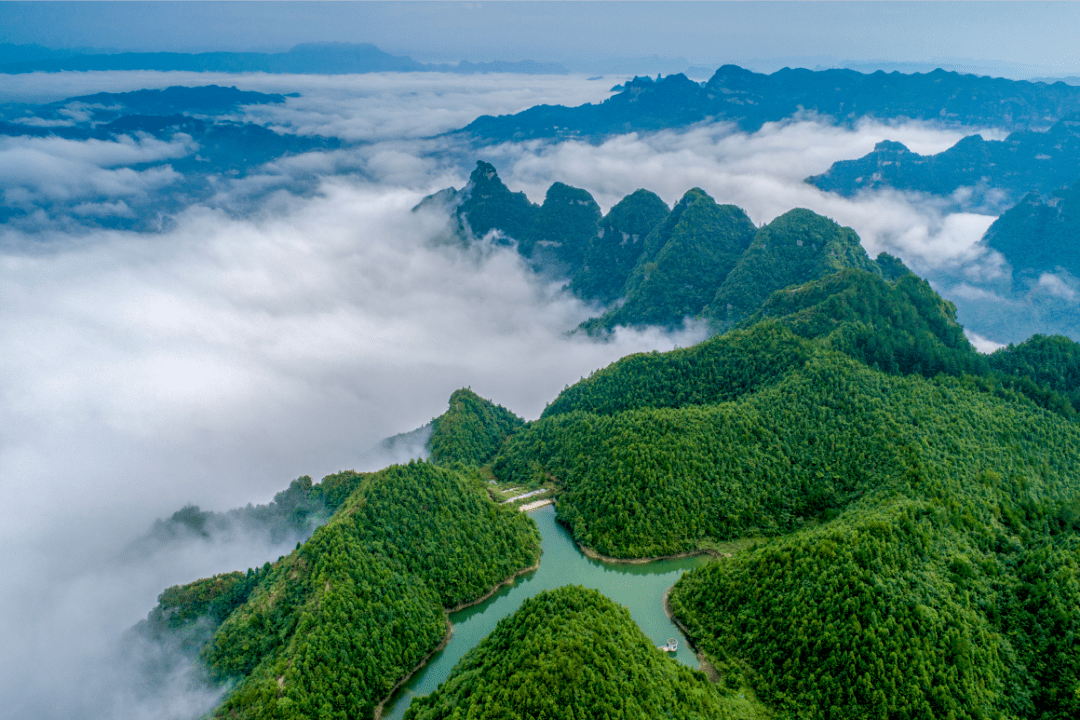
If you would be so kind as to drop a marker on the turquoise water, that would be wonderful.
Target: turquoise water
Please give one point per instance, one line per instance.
(640, 587)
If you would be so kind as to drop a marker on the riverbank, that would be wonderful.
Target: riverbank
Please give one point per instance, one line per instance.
(593, 555)
(450, 630)
(525, 571)
(446, 639)
(706, 666)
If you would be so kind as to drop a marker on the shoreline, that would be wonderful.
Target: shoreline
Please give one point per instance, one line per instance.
(706, 666)
(594, 555)
(506, 581)
(450, 632)
(390, 696)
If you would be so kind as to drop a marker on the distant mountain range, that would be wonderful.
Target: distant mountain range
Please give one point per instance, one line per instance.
(654, 265)
(751, 99)
(999, 172)
(202, 116)
(307, 58)
(1040, 236)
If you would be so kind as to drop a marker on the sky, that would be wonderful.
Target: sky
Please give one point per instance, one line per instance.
(265, 334)
(1033, 37)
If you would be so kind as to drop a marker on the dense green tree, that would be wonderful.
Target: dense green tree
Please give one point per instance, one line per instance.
(570, 653)
(470, 431)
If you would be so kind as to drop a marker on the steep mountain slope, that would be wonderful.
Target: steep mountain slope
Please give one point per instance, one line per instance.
(619, 241)
(751, 99)
(486, 204)
(684, 259)
(900, 327)
(797, 247)
(561, 231)
(471, 431)
(570, 653)
(331, 627)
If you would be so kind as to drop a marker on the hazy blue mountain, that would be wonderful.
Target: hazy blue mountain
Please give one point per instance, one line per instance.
(207, 142)
(751, 99)
(1040, 236)
(1000, 171)
(323, 58)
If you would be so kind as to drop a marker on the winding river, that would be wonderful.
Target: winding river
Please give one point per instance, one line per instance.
(640, 587)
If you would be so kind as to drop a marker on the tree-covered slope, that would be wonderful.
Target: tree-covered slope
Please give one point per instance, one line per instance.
(685, 258)
(901, 326)
(470, 431)
(721, 368)
(486, 204)
(1023, 162)
(619, 241)
(328, 630)
(925, 531)
(795, 248)
(659, 481)
(570, 653)
(562, 230)
(955, 597)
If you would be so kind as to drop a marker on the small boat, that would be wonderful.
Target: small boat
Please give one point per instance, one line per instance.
(672, 645)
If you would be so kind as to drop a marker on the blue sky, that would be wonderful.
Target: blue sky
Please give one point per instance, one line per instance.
(578, 33)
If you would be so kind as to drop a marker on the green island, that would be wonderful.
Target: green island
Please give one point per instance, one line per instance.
(893, 517)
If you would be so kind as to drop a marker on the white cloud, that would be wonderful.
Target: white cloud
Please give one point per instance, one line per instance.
(54, 169)
(763, 173)
(1056, 286)
(983, 345)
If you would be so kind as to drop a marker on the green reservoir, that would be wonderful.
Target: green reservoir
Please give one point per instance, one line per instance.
(640, 587)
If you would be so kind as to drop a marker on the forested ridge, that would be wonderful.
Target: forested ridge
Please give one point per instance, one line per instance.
(651, 265)
(571, 653)
(912, 506)
(471, 431)
(327, 631)
(917, 519)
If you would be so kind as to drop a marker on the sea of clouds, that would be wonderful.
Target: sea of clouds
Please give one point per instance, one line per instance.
(283, 328)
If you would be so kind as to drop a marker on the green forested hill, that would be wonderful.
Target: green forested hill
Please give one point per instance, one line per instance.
(619, 241)
(328, 630)
(562, 230)
(684, 260)
(721, 368)
(925, 532)
(795, 248)
(487, 204)
(570, 653)
(470, 431)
